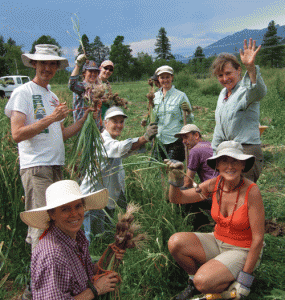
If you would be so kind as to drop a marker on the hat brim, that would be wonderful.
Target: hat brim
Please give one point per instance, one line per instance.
(39, 217)
(27, 57)
(114, 114)
(249, 159)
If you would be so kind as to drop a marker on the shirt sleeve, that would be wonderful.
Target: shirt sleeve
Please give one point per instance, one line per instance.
(18, 102)
(75, 85)
(255, 91)
(52, 280)
(117, 149)
(193, 161)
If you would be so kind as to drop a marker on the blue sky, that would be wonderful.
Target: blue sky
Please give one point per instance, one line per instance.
(188, 24)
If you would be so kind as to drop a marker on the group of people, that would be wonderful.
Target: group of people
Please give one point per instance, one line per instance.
(218, 262)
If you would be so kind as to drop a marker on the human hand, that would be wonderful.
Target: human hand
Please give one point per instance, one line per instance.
(80, 60)
(120, 254)
(151, 131)
(175, 172)
(185, 106)
(248, 54)
(60, 112)
(106, 283)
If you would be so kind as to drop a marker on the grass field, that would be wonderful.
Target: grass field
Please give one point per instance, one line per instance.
(151, 273)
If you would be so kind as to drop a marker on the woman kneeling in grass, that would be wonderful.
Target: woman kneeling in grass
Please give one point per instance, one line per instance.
(61, 266)
(226, 258)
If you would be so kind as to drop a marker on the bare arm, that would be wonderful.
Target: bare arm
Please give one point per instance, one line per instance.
(256, 220)
(141, 141)
(75, 71)
(22, 132)
(187, 181)
(71, 130)
(188, 196)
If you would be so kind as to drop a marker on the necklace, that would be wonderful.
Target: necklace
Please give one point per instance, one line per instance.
(238, 187)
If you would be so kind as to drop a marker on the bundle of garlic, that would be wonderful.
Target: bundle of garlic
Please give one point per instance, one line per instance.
(127, 236)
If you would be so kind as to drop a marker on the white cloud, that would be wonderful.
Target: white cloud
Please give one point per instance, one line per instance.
(146, 46)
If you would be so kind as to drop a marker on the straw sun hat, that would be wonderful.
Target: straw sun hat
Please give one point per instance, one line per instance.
(232, 149)
(45, 52)
(60, 193)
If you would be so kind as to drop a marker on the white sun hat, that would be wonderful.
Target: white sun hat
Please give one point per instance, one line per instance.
(186, 129)
(45, 52)
(60, 193)
(164, 69)
(113, 112)
(232, 149)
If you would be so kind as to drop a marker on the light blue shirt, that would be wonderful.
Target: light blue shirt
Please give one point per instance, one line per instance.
(169, 114)
(237, 118)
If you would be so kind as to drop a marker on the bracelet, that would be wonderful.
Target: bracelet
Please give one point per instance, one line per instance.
(93, 289)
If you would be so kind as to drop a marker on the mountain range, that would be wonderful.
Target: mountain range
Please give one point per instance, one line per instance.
(234, 42)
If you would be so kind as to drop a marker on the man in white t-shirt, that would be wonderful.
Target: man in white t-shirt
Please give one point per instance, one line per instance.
(37, 126)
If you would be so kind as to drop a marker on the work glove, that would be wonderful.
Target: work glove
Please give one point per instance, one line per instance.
(242, 285)
(175, 176)
(151, 131)
(185, 106)
(80, 60)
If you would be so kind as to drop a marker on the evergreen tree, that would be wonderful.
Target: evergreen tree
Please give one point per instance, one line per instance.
(273, 52)
(45, 39)
(199, 55)
(99, 51)
(163, 47)
(121, 56)
(3, 64)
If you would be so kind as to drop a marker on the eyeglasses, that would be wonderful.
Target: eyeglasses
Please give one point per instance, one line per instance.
(109, 68)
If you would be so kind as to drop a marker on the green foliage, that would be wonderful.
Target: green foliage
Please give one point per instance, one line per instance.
(183, 80)
(212, 88)
(162, 45)
(99, 52)
(151, 273)
(121, 56)
(273, 52)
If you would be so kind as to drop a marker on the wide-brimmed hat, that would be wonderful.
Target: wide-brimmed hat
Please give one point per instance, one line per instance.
(232, 149)
(45, 52)
(114, 111)
(90, 65)
(164, 69)
(106, 63)
(61, 193)
(186, 129)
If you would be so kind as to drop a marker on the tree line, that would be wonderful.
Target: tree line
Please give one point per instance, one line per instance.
(128, 67)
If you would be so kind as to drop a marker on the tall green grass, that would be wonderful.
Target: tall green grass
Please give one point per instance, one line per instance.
(151, 273)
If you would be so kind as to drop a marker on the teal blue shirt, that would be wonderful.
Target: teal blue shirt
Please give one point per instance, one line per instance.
(169, 114)
(237, 117)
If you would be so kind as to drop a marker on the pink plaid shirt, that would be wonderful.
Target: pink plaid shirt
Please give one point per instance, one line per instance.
(56, 270)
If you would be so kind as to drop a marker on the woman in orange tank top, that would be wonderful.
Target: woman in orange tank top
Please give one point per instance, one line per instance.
(222, 261)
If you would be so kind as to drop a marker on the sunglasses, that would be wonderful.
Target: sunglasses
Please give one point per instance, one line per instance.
(109, 68)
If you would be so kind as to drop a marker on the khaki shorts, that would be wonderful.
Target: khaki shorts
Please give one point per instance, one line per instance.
(35, 181)
(233, 257)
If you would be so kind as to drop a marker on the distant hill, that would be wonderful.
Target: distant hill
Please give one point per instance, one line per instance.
(234, 42)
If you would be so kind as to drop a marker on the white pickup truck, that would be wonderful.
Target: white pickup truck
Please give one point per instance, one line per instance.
(9, 83)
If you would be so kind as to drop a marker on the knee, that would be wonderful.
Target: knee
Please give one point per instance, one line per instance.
(201, 283)
(174, 243)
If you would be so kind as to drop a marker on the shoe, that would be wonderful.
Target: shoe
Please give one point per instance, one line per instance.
(188, 293)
